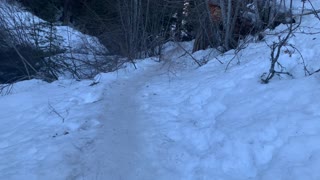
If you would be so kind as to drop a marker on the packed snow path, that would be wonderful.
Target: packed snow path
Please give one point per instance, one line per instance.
(133, 142)
(121, 150)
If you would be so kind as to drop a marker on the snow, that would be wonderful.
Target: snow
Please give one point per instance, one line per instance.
(72, 40)
(35, 142)
(77, 50)
(172, 120)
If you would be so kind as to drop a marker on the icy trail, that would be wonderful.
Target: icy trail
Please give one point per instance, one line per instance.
(120, 152)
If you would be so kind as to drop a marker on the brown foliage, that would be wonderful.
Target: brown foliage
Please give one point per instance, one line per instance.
(215, 12)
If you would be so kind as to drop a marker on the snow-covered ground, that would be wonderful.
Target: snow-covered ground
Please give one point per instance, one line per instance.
(172, 120)
(77, 51)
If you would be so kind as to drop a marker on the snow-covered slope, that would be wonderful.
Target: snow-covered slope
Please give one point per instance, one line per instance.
(77, 54)
(172, 120)
(32, 29)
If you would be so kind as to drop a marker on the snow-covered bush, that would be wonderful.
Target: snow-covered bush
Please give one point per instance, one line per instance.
(33, 48)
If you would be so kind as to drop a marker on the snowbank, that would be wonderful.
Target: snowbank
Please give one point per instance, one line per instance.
(203, 123)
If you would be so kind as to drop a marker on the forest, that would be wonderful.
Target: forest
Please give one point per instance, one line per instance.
(129, 29)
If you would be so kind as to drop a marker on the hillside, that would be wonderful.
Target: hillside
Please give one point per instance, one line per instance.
(173, 119)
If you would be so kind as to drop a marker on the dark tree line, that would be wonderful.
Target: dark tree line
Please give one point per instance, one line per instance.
(138, 28)
(129, 27)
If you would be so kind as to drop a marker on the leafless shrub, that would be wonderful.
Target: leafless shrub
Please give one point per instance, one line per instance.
(36, 50)
(5, 89)
(276, 51)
